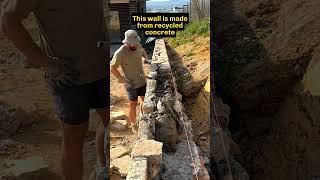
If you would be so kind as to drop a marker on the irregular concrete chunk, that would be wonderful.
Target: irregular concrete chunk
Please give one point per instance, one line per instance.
(118, 152)
(179, 165)
(117, 115)
(138, 169)
(32, 168)
(146, 128)
(148, 107)
(9, 145)
(9, 123)
(153, 75)
(147, 148)
(151, 85)
(153, 151)
(166, 131)
(153, 68)
(121, 165)
(119, 125)
(178, 107)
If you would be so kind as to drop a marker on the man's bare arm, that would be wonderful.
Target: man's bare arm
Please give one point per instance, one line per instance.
(144, 54)
(117, 74)
(12, 27)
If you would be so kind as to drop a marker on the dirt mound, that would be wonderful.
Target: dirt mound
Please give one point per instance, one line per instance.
(265, 48)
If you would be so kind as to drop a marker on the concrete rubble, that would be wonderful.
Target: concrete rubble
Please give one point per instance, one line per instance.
(32, 168)
(119, 125)
(121, 165)
(9, 123)
(118, 152)
(117, 115)
(222, 146)
(162, 149)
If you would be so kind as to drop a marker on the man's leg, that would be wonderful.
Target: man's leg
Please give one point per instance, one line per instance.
(100, 134)
(132, 111)
(133, 101)
(73, 110)
(72, 144)
(99, 100)
(141, 93)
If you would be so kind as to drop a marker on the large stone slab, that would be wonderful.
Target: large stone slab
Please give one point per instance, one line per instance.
(119, 125)
(32, 168)
(147, 148)
(121, 165)
(9, 123)
(118, 152)
(152, 150)
(117, 115)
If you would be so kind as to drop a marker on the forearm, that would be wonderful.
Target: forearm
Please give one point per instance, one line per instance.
(116, 73)
(15, 32)
(144, 54)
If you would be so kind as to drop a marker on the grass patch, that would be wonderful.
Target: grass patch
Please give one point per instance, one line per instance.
(193, 29)
(182, 80)
(190, 53)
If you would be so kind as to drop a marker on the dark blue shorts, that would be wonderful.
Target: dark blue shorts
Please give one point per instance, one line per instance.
(134, 93)
(74, 103)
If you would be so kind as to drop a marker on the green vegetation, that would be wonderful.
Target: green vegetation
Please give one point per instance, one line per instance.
(193, 29)
(190, 53)
(182, 80)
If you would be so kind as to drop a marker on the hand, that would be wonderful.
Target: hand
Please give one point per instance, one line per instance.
(147, 61)
(59, 72)
(121, 80)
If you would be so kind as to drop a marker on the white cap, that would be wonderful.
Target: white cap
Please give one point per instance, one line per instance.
(131, 38)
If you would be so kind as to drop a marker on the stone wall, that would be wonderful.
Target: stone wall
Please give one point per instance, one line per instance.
(165, 132)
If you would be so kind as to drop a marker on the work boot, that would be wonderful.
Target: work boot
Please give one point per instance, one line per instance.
(134, 127)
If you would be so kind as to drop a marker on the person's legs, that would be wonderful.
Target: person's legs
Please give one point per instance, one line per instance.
(99, 100)
(141, 93)
(132, 111)
(73, 110)
(133, 100)
(72, 162)
(100, 134)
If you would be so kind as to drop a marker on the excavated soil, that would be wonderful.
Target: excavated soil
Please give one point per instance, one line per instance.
(264, 48)
(191, 67)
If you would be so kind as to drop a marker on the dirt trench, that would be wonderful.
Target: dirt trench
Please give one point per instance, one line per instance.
(264, 49)
(191, 67)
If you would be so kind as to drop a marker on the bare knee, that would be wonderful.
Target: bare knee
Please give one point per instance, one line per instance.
(132, 105)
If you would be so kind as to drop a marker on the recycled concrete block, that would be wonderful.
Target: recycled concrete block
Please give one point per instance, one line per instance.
(32, 168)
(146, 128)
(152, 150)
(151, 85)
(138, 169)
